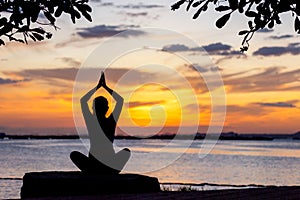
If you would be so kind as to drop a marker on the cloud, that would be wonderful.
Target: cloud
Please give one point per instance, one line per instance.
(103, 4)
(288, 104)
(270, 79)
(198, 68)
(276, 37)
(269, 51)
(217, 47)
(57, 73)
(193, 107)
(248, 110)
(134, 104)
(101, 31)
(251, 109)
(221, 49)
(140, 6)
(294, 44)
(129, 76)
(139, 14)
(293, 48)
(11, 81)
(107, 4)
(127, 6)
(176, 48)
(265, 30)
(213, 49)
(65, 74)
(70, 61)
(234, 110)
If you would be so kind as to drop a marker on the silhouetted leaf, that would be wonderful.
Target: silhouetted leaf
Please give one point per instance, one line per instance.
(58, 12)
(25, 38)
(297, 25)
(196, 4)
(258, 22)
(250, 24)
(297, 9)
(241, 5)
(250, 13)
(189, 5)
(38, 36)
(196, 15)
(19, 40)
(222, 21)
(204, 7)
(6, 29)
(33, 38)
(177, 5)
(241, 9)
(271, 24)
(1, 42)
(48, 35)
(222, 8)
(49, 17)
(23, 28)
(284, 6)
(233, 4)
(243, 32)
(15, 39)
(278, 21)
(243, 49)
(35, 11)
(38, 30)
(87, 16)
(73, 18)
(265, 12)
(87, 8)
(50, 8)
(77, 14)
(3, 21)
(20, 15)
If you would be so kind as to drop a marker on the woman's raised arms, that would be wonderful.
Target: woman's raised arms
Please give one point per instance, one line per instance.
(119, 100)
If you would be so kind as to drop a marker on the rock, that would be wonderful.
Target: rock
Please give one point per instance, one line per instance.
(2, 135)
(55, 184)
(296, 136)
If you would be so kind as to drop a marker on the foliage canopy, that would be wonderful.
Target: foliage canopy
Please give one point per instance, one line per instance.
(261, 13)
(23, 19)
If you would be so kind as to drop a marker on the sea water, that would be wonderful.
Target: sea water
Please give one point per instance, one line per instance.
(229, 163)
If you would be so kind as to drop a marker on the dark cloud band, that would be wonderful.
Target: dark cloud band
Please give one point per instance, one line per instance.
(213, 49)
(293, 48)
(12, 81)
(101, 31)
(279, 104)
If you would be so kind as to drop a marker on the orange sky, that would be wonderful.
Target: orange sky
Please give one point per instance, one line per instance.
(262, 89)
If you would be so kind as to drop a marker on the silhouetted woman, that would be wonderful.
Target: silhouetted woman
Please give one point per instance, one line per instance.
(102, 158)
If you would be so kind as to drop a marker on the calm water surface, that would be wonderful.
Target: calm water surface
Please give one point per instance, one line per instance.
(230, 162)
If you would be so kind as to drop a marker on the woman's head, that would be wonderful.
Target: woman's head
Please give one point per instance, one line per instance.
(100, 106)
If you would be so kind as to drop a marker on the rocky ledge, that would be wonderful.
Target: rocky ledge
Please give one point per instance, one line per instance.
(55, 184)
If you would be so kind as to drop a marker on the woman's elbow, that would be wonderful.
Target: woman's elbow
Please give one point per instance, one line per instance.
(121, 100)
(83, 101)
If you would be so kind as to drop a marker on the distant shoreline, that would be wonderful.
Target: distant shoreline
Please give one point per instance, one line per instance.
(168, 136)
